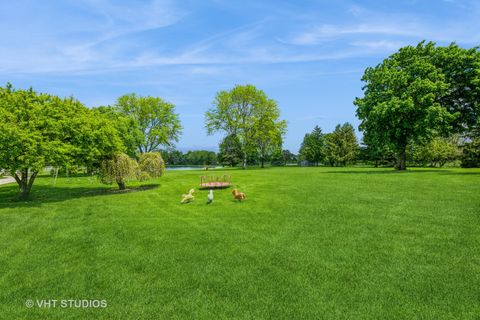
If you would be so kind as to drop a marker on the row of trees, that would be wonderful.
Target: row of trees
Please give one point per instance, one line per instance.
(419, 96)
(39, 130)
(341, 148)
(195, 157)
(337, 148)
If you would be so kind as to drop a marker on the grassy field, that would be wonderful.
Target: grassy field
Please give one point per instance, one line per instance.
(308, 243)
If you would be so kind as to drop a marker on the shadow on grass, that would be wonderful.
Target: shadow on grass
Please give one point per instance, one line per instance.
(392, 171)
(411, 171)
(46, 194)
(462, 173)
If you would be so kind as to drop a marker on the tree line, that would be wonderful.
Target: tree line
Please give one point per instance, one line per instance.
(420, 105)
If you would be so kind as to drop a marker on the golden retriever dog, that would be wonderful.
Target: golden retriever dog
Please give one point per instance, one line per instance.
(237, 195)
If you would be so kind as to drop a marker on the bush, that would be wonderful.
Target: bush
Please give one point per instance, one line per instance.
(151, 165)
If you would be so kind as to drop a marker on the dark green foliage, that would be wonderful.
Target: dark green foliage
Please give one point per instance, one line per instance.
(200, 157)
(341, 146)
(471, 154)
(231, 152)
(283, 157)
(312, 146)
(173, 156)
(418, 93)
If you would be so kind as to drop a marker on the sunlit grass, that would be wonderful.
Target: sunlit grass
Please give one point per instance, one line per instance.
(308, 243)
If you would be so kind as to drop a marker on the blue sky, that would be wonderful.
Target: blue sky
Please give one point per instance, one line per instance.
(307, 55)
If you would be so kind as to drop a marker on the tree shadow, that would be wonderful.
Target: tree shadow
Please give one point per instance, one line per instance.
(392, 171)
(462, 173)
(47, 194)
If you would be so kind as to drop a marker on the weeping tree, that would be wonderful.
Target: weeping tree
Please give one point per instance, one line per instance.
(151, 165)
(119, 169)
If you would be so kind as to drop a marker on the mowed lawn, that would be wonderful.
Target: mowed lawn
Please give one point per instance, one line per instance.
(308, 243)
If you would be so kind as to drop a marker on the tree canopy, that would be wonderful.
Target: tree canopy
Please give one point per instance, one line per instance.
(240, 112)
(341, 146)
(418, 93)
(312, 146)
(157, 121)
(37, 130)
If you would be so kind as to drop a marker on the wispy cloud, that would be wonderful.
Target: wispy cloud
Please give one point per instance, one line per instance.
(329, 32)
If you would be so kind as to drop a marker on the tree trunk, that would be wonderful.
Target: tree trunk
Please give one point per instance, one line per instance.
(376, 164)
(402, 160)
(244, 160)
(25, 183)
(121, 185)
(262, 162)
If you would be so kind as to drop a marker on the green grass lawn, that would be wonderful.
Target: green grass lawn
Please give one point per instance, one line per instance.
(308, 243)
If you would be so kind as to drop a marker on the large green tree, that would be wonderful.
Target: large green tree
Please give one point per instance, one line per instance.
(402, 100)
(37, 130)
(312, 148)
(238, 112)
(341, 146)
(158, 123)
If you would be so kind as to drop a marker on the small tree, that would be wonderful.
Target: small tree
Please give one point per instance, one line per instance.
(120, 169)
(230, 151)
(312, 146)
(151, 165)
(437, 152)
(341, 146)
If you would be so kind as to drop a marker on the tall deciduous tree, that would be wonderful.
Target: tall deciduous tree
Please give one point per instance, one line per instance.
(402, 100)
(312, 146)
(268, 132)
(37, 130)
(157, 120)
(341, 146)
(238, 111)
